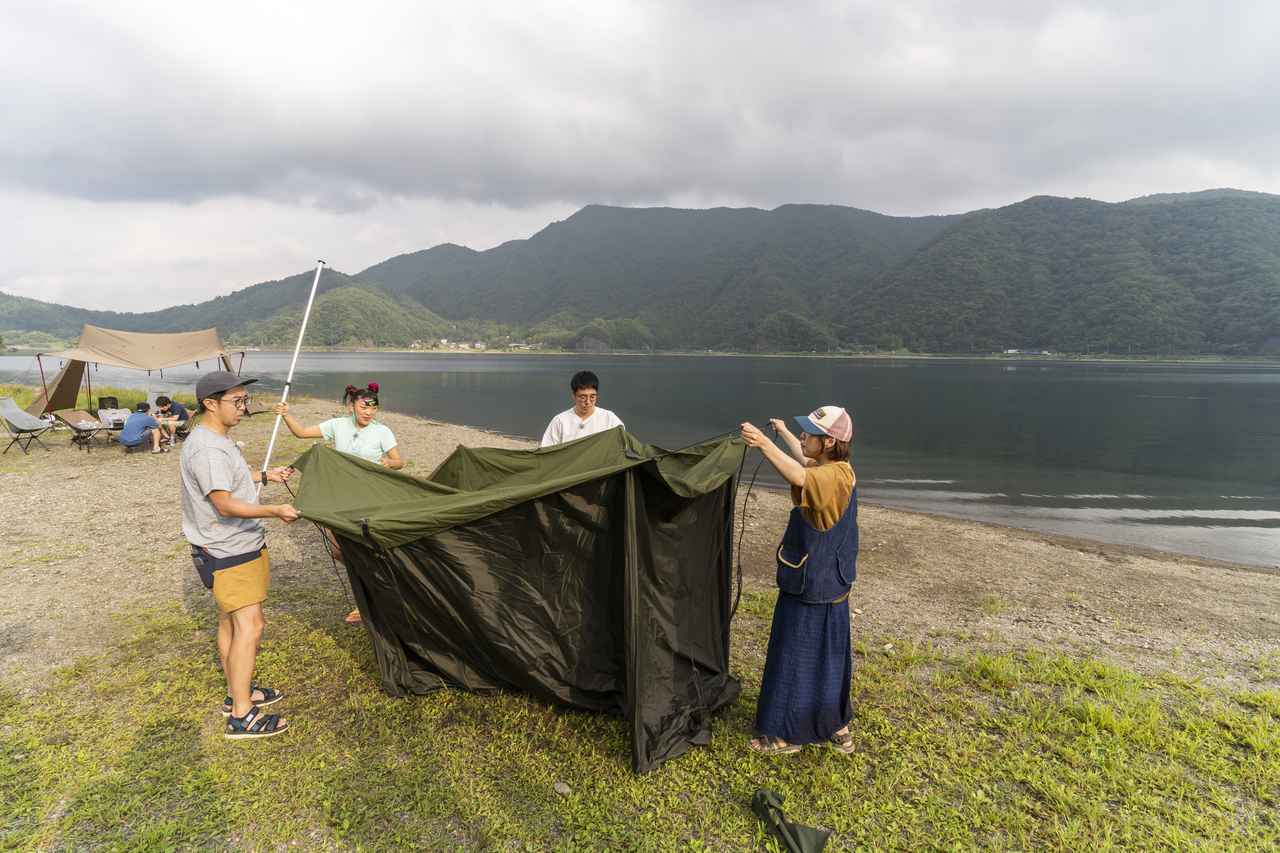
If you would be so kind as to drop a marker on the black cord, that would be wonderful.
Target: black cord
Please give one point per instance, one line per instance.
(742, 524)
(328, 549)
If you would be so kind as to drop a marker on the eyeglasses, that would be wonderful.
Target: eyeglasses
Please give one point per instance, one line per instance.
(238, 402)
(368, 404)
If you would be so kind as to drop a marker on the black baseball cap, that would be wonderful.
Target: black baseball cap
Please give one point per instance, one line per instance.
(219, 381)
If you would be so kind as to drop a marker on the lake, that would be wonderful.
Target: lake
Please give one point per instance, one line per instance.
(1178, 457)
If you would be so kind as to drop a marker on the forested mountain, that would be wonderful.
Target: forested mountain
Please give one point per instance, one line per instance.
(232, 313)
(692, 277)
(352, 316)
(1193, 273)
(1187, 273)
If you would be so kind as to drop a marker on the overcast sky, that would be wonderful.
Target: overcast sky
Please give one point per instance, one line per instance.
(154, 153)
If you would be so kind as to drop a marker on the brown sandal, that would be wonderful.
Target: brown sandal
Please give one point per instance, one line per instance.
(770, 745)
(842, 742)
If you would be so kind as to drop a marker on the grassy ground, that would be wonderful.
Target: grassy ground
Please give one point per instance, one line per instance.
(1013, 750)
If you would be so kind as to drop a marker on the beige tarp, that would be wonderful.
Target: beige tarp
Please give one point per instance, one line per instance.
(143, 350)
(63, 390)
(138, 350)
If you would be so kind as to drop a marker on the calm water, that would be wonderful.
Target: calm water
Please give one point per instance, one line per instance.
(1183, 458)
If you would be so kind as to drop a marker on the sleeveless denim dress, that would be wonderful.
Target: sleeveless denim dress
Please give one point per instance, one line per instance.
(804, 694)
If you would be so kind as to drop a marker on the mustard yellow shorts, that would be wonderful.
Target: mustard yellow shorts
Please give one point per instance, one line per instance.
(242, 585)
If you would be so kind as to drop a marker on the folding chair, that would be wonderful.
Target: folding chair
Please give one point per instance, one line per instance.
(23, 428)
(83, 427)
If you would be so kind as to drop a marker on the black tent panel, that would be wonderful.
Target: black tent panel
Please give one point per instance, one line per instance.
(610, 592)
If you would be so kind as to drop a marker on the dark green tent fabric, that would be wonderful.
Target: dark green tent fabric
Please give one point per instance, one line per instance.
(595, 574)
(794, 837)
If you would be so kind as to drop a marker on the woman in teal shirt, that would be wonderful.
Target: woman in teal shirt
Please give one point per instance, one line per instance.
(358, 434)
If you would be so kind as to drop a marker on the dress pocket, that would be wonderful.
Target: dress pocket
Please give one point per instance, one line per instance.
(792, 571)
(847, 568)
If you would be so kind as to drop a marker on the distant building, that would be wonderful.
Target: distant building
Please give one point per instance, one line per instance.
(478, 345)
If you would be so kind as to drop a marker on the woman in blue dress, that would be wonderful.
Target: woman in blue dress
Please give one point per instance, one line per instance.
(804, 693)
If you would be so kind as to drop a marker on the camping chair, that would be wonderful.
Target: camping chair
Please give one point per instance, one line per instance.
(23, 428)
(83, 427)
(108, 403)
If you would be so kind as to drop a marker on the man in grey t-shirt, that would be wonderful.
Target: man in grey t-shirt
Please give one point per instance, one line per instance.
(220, 518)
(212, 462)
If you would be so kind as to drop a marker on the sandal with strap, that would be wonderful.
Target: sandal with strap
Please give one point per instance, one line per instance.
(254, 724)
(770, 745)
(270, 696)
(841, 742)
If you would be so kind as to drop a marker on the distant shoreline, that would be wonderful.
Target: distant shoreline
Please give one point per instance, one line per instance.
(1240, 361)
(1258, 360)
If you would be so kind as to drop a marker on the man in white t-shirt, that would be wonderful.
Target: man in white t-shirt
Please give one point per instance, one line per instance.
(585, 418)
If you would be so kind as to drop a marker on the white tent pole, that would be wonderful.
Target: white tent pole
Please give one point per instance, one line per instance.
(284, 398)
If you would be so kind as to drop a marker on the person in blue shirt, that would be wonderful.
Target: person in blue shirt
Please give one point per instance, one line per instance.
(173, 417)
(140, 427)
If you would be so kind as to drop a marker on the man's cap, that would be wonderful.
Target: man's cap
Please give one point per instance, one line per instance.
(217, 382)
(827, 420)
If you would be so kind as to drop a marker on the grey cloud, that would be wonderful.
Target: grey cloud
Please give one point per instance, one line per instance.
(908, 107)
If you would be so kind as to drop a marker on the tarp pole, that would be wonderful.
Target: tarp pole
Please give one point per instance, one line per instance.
(88, 386)
(284, 398)
(43, 384)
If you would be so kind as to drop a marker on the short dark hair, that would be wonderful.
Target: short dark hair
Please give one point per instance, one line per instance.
(839, 451)
(216, 397)
(161, 402)
(144, 406)
(584, 379)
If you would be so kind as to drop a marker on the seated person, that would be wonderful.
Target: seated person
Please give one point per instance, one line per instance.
(141, 427)
(173, 416)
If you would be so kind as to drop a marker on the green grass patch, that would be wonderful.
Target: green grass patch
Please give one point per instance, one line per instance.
(1267, 666)
(968, 749)
(994, 605)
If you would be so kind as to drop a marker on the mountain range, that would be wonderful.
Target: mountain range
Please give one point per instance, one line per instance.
(1173, 273)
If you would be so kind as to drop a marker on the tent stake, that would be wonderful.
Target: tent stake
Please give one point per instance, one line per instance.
(284, 398)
